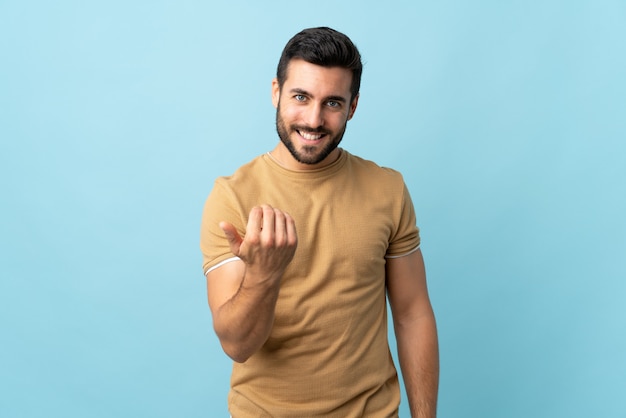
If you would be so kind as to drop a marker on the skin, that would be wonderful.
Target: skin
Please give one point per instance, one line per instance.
(242, 294)
(313, 108)
(313, 102)
(416, 332)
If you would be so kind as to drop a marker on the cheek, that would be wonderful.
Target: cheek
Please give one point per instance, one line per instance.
(337, 121)
(289, 114)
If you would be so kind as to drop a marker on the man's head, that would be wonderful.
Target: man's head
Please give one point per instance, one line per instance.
(315, 93)
(324, 47)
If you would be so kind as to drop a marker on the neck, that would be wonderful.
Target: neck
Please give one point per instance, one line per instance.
(283, 157)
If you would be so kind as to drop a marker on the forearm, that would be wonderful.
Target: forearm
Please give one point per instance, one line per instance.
(244, 322)
(243, 293)
(418, 353)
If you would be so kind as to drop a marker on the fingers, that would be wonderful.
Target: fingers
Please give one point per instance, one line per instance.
(284, 229)
(270, 225)
(269, 243)
(266, 226)
(255, 223)
(271, 228)
(292, 235)
(282, 225)
(233, 237)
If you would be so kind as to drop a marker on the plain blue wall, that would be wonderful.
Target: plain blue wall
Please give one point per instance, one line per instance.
(508, 120)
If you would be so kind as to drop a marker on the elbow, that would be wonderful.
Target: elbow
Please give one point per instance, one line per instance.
(239, 346)
(235, 349)
(239, 359)
(236, 353)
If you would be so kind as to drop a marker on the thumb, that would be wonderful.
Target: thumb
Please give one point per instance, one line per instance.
(233, 237)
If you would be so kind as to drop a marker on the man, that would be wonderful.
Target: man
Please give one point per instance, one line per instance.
(301, 248)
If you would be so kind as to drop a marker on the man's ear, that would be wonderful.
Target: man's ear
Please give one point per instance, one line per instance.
(353, 105)
(275, 92)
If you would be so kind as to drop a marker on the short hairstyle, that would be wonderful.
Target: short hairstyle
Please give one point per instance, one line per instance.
(325, 47)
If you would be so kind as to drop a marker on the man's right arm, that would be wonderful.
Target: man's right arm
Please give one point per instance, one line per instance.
(242, 294)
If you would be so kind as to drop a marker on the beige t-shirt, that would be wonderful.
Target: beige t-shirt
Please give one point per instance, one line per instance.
(328, 354)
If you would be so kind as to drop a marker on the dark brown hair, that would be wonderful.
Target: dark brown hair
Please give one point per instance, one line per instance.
(325, 47)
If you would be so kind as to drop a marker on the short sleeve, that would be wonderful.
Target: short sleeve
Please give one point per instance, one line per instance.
(221, 205)
(406, 238)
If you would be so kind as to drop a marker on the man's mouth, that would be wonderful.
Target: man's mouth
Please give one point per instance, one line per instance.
(310, 136)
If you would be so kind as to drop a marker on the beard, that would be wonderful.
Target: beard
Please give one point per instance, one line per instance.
(307, 154)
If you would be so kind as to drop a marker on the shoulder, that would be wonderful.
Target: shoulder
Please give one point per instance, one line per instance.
(244, 174)
(373, 172)
(364, 164)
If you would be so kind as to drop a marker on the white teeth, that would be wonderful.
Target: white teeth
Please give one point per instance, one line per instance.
(310, 137)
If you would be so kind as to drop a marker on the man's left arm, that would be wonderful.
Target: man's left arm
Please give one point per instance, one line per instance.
(416, 332)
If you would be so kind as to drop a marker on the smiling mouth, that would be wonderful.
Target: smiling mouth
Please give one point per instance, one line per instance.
(311, 136)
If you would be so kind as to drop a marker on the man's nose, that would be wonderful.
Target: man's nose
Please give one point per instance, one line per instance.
(314, 116)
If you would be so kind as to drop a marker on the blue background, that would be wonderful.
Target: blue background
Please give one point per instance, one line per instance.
(507, 119)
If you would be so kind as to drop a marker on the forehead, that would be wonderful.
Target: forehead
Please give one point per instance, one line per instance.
(322, 81)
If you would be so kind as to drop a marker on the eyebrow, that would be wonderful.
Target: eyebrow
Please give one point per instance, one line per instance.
(306, 93)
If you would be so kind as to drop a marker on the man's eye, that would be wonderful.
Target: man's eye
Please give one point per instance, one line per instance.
(333, 103)
(299, 97)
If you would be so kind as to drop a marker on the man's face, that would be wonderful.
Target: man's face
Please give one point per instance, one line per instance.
(312, 110)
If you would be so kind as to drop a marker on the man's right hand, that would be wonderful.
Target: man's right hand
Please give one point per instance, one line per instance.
(243, 293)
(268, 246)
